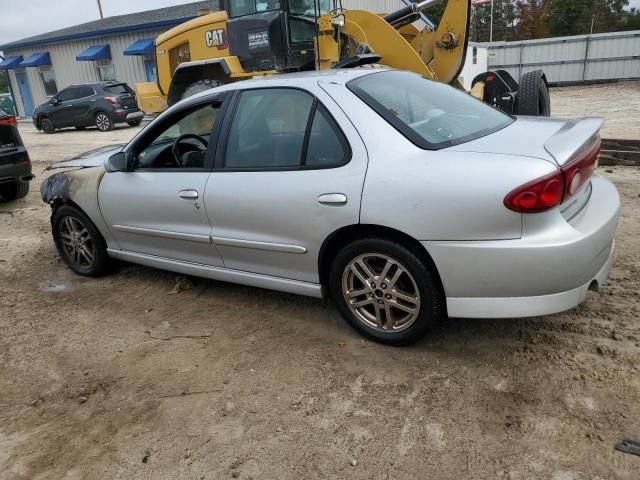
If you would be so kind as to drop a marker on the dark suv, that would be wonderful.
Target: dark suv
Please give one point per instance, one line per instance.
(15, 165)
(91, 104)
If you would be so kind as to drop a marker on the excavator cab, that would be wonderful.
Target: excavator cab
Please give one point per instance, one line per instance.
(274, 34)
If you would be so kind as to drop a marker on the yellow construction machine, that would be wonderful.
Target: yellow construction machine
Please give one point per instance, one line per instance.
(252, 38)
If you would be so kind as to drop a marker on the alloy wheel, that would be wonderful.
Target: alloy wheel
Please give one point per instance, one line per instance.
(381, 292)
(103, 122)
(77, 242)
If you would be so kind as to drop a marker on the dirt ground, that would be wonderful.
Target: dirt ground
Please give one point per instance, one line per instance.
(618, 102)
(115, 378)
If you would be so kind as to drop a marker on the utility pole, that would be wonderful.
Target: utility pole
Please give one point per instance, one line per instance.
(490, 26)
(100, 9)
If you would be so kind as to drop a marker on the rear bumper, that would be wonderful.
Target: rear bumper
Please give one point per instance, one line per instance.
(516, 307)
(547, 270)
(15, 172)
(127, 115)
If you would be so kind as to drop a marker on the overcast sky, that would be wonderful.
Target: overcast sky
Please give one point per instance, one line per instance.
(22, 18)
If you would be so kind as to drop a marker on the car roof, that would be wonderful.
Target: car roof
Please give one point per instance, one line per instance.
(297, 79)
(96, 84)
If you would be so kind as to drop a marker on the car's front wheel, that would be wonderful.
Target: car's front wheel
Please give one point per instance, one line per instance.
(386, 291)
(47, 126)
(104, 122)
(79, 242)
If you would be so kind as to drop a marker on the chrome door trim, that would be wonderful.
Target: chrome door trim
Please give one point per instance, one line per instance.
(190, 237)
(222, 274)
(274, 247)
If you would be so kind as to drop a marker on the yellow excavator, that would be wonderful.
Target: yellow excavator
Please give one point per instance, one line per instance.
(251, 38)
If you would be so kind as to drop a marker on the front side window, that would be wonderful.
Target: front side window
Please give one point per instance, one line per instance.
(238, 8)
(283, 128)
(106, 73)
(49, 82)
(430, 114)
(178, 55)
(181, 142)
(68, 94)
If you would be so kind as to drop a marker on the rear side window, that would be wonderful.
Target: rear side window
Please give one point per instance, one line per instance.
(283, 128)
(85, 92)
(118, 89)
(430, 114)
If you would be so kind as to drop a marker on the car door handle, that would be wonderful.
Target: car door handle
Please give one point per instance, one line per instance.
(334, 199)
(188, 194)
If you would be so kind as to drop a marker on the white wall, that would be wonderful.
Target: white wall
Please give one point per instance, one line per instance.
(474, 63)
(68, 71)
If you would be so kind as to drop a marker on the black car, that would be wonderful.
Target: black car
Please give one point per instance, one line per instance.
(100, 104)
(15, 165)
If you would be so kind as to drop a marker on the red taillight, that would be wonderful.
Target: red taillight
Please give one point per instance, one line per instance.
(537, 196)
(111, 100)
(11, 121)
(546, 192)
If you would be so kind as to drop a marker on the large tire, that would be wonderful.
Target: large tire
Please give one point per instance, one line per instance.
(79, 242)
(199, 86)
(13, 191)
(533, 95)
(393, 298)
(104, 122)
(47, 126)
(134, 123)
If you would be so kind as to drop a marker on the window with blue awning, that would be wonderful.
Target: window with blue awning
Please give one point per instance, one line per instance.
(144, 46)
(36, 60)
(96, 52)
(11, 62)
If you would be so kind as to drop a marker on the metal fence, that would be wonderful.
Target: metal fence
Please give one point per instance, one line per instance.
(575, 59)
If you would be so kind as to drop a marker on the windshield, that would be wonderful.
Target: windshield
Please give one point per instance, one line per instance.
(430, 114)
(238, 8)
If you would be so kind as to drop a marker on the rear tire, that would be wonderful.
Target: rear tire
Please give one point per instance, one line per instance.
(14, 191)
(533, 95)
(79, 242)
(134, 123)
(394, 299)
(104, 122)
(47, 126)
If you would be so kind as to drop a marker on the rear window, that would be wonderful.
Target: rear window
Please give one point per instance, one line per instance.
(430, 114)
(118, 89)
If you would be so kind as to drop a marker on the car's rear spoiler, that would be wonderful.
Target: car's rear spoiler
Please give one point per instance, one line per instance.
(572, 138)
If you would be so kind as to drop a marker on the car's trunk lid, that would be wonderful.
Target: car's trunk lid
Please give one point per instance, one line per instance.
(552, 139)
(123, 95)
(571, 145)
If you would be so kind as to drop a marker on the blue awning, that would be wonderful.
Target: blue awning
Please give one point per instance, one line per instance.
(36, 60)
(10, 62)
(144, 46)
(97, 52)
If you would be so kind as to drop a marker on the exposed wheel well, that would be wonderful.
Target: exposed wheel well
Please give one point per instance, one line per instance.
(338, 239)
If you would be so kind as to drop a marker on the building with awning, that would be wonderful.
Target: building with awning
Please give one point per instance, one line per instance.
(120, 48)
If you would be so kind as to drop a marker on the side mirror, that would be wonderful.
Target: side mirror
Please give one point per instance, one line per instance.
(118, 162)
(55, 102)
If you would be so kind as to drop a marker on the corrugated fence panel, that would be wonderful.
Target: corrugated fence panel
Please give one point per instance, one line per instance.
(604, 56)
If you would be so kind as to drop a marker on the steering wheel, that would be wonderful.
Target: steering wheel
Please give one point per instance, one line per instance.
(175, 149)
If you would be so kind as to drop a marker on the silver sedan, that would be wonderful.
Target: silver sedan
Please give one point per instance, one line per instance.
(403, 199)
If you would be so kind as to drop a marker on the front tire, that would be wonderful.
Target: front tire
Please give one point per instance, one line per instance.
(385, 291)
(104, 122)
(79, 242)
(47, 126)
